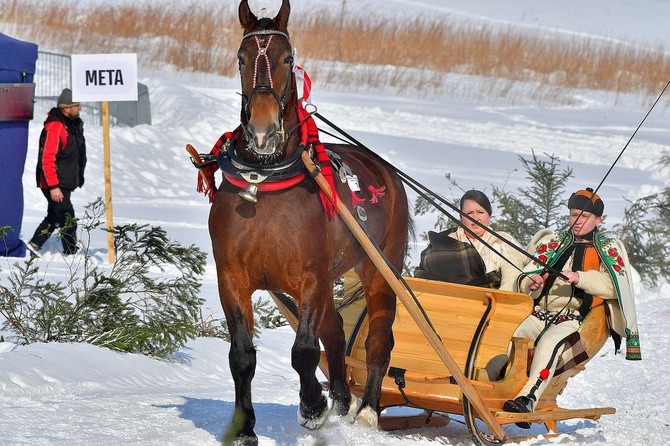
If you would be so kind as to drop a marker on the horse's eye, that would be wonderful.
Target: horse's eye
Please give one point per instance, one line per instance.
(240, 62)
(289, 60)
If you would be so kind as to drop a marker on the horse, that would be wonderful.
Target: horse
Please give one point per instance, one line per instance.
(282, 238)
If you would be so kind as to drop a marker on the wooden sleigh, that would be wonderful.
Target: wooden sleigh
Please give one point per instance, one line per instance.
(475, 325)
(445, 336)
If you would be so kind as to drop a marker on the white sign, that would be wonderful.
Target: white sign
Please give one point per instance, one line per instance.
(104, 77)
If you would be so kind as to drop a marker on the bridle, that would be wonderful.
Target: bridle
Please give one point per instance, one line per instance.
(269, 88)
(249, 176)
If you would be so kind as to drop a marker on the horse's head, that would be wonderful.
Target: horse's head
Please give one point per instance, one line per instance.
(268, 86)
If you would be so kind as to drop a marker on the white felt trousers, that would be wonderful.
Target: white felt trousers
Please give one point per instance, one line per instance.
(547, 351)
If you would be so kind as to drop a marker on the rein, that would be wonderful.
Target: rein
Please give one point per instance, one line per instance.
(431, 197)
(595, 191)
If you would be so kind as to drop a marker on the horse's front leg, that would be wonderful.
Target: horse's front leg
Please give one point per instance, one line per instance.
(242, 360)
(306, 353)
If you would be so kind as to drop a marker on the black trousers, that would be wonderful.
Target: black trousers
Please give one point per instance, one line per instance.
(58, 215)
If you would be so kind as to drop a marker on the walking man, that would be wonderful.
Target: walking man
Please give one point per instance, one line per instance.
(60, 170)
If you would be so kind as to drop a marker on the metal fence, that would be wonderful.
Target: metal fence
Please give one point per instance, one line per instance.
(53, 75)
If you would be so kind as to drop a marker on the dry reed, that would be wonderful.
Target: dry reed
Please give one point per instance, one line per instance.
(372, 52)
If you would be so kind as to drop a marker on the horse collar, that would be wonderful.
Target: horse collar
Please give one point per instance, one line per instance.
(258, 177)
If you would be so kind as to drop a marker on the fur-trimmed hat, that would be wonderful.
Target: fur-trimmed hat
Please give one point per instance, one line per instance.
(587, 201)
(65, 99)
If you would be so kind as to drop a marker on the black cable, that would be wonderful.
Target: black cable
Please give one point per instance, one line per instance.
(595, 191)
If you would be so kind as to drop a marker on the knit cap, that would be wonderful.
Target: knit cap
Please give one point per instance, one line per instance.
(65, 99)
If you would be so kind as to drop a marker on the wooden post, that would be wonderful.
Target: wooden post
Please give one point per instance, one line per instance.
(108, 181)
(412, 308)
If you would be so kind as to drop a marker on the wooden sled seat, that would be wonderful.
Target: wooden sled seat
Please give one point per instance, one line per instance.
(456, 312)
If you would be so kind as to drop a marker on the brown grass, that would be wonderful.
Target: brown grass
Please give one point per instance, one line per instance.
(369, 52)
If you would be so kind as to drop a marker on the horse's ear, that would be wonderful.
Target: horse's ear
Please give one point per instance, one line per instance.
(247, 18)
(282, 16)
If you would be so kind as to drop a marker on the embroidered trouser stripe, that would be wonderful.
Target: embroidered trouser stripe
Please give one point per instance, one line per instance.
(548, 372)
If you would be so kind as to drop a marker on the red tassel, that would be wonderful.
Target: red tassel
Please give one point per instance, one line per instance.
(544, 374)
(328, 206)
(326, 169)
(310, 135)
(208, 187)
(355, 200)
(376, 193)
(200, 185)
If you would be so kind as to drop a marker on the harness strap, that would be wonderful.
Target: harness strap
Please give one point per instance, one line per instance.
(235, 166)
(269, 186)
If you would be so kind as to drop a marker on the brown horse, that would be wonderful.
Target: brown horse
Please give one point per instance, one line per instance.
(285, 241)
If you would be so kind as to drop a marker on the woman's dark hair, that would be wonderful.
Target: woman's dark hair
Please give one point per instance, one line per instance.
(479, 197)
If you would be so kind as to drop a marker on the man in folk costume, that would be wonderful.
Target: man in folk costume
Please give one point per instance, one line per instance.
(596, 270)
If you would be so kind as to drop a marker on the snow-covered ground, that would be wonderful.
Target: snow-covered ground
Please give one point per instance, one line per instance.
(76, 394)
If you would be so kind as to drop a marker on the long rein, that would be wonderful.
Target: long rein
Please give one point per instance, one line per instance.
(595, 191)
(433, 197)
(419, 188)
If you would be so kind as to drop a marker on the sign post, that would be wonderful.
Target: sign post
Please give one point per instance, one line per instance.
(103, 78)
(106, 159)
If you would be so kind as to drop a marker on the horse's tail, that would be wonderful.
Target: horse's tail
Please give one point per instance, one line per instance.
(352, 290)
(411, 232)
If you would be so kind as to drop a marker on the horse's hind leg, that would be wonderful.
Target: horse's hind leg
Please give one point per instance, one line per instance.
(316, 308)
(381, 304)
(331, 334)
(242, 360)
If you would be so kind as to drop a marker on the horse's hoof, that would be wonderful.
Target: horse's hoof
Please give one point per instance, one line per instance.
(244, 440)
(367, 418)
(314, 417)
(348, 413)
(355, 404)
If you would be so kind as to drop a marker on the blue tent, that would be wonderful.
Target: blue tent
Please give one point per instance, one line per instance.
(17, 66)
